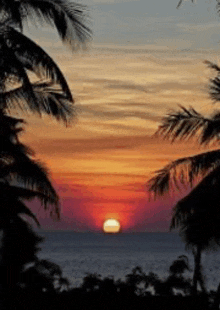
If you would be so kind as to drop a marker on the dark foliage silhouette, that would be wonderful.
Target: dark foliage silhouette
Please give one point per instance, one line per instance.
(69, 18)
(196, 215)
(30, 80)
(43, 276)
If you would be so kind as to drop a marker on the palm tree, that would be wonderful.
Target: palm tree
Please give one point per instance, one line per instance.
(50, 94)
(21, 177)
(197, 215)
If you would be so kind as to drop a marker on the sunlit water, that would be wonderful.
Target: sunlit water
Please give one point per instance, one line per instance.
(116, 255)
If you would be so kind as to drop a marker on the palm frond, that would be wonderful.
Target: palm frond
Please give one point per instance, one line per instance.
(17, 192)
(203, 199)
(201, 228)
(18, 167)
(17, 208)
(10, 127)
(11, 11)
(50, 98)
(180, 214)
(214, 87)
(186, 123)
(183, 171)
(218, 5)
(33, 175)
(12, 72)
(34, 58)
(12, 150)
(69, 18)
(180, 3)
(211, 130)
(182, 124)
(212, 65)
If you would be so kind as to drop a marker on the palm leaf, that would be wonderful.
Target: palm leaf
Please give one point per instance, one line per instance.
(50, 100)
(12, 72)
(67, 17)
(180, 3)
(214, 87)
(203, 198)
(17, 192)
(34, 58)
(20, 208)
(218, 6)
(186, 123)
(11, 11)
(183, 171)
(32, 175)
(10, 126)
(201, 228)
(182, 124)
(14, 207)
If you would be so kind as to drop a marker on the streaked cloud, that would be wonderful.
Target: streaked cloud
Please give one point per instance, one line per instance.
(101, 164)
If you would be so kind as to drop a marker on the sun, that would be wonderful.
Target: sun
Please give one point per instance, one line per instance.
(111, 226)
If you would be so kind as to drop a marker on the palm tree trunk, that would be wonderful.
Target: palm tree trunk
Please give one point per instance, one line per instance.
(197, 262)
(197, 276)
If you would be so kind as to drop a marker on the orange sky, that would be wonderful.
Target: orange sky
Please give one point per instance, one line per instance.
(100, 165)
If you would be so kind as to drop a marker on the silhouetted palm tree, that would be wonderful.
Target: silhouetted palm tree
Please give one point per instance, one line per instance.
(197, 215)
(50, 94)
(21, 177)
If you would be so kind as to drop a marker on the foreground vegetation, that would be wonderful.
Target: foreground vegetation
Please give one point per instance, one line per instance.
(27, 282)
(41, 286)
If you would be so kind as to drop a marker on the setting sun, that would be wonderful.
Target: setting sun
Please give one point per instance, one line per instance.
(111, 226)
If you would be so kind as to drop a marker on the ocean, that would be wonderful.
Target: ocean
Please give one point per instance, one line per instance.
(116, 255)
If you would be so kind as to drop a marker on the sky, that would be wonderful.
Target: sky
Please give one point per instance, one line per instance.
(145, 59)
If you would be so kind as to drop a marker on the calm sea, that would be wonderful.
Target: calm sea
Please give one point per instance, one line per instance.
(116, 255)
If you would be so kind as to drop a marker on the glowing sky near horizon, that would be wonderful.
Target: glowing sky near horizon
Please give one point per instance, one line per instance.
(100, 165)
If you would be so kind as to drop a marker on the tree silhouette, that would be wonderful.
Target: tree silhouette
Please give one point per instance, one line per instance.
(91, 282)
(197, 215)
(19, 247)
(43, 276)
(22, 177)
